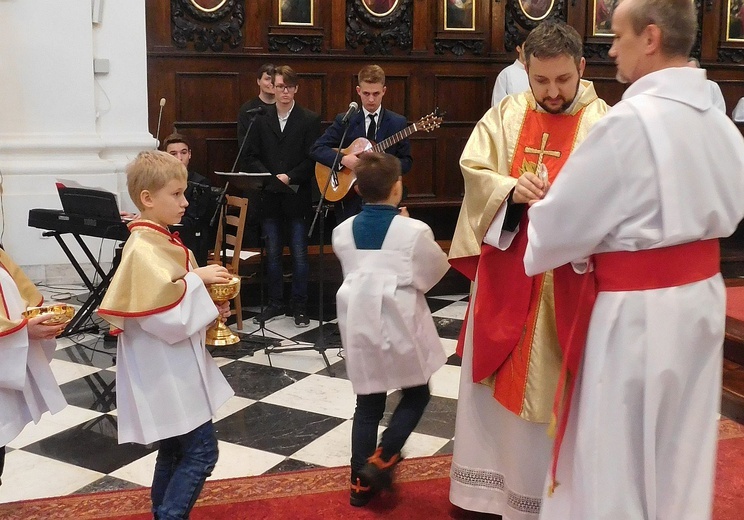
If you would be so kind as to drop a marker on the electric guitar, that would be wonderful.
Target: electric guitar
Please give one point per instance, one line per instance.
(343, 179)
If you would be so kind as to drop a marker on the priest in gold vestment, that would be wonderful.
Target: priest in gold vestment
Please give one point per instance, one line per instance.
(510, 339)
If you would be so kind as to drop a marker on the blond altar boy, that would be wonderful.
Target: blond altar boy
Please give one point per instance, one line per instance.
(168, 388)
(27, 385)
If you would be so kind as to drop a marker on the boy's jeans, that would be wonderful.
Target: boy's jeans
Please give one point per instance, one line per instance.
(183, 464)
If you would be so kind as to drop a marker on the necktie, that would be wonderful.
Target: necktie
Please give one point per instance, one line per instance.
(372, 130)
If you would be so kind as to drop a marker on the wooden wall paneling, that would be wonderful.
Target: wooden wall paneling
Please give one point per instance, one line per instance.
(207, 96)
(421, 181)
(310, 94)
(496, 27)
(396, 95)
(423, 20)
(338, 25)
(157, 22)
(255, 29)
(464, 98)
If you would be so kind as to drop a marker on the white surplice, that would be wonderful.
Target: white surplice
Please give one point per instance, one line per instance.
(386, 327)
(642, 433)
(512, 80)
(167, 384)
(27, 385)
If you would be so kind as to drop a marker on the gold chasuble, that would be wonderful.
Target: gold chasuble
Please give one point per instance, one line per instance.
(515, 338)
(149, 278)
(26, 288)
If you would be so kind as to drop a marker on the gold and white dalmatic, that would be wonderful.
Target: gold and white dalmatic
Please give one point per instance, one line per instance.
(167, 384)
(642, 428)
(27, 385)
(509, 344)
(386, 327)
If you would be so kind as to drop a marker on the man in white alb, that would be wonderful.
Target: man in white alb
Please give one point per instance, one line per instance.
(641, 429)
(513, 78)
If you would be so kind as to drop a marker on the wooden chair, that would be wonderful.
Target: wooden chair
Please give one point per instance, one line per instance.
(237, 210)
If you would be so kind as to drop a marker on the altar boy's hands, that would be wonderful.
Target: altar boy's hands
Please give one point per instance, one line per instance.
(213, 274)
(37, 329)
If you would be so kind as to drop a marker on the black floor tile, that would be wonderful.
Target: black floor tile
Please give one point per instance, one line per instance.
(94, 392)
(107, 483)
(436, 304)
(275, 429)
(91, 354)
(454, 360)
(447, 449)
(291, 465)
(448, 328)
(257, 381)
(92, 445)
(438, 418)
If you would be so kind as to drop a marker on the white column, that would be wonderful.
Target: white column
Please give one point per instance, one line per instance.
(58, 119)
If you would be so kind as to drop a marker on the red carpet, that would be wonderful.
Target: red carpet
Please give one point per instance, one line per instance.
(421, 493)
(735, 302)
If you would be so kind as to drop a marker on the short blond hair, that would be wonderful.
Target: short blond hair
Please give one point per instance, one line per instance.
(151, 170)
(371, 74)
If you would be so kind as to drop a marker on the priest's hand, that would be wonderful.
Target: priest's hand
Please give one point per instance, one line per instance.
(213, 274)
(529, 189)
(37, 329)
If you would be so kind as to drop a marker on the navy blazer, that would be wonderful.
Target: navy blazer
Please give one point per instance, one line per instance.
(389, 124)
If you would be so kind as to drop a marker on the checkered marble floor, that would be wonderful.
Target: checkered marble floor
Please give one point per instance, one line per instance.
(288, 412)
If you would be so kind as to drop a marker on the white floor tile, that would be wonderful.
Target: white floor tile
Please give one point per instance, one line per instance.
(241, 461)
(454, 310)
(420, 445)
(450, 346)
(66, 371)
(308, 361)
(140, 471)
(29, 476)
(451, 297)
(52, 424)
(320, 394)
(234, 404)
(445, 382)
(331, 449)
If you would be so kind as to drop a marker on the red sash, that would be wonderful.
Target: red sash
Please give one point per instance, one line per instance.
(622, 271)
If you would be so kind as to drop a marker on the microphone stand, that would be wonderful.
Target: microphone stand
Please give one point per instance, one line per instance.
(320, 342)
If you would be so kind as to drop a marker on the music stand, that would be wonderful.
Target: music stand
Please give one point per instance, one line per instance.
(264, 181)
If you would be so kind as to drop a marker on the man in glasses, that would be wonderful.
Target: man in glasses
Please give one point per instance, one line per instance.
(281, 146)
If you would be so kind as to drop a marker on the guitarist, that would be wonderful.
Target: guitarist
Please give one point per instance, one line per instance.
(384, 123)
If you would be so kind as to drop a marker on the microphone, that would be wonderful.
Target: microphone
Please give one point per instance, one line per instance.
(160, 116)
(353, 107)
(255, 111)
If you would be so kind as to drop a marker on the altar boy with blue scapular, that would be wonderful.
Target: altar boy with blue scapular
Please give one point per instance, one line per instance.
(389, 262)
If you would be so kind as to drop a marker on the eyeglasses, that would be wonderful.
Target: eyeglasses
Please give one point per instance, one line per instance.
(285, 88)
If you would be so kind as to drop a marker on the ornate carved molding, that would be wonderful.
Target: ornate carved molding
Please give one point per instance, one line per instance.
(516, 22)
(731, 55)
(458, 47)
(296, 43)
(207, 29)
(597, 50)
(379, 34)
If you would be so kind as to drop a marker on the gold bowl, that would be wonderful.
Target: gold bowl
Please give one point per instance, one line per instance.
(219, 334)
(222, 292)
(61, 313)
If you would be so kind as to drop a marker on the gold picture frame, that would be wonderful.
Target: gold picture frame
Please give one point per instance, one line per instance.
(735, 21)
(296, 12)
(380, 8)
(602, 17)
(459, 15)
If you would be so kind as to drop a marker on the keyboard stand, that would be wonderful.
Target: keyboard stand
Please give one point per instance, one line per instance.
(78, 323)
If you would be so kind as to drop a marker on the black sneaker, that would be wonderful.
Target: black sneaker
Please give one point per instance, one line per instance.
(360, 493)
(268, 314)
(300, 317)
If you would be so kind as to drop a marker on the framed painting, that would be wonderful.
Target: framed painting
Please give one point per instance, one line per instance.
(735, 21)
(602, 17)
(380, 8)
(459, 15)
(296, 12)
(536, 10)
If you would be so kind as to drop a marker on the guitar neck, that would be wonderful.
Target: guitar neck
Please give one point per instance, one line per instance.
(393, 139)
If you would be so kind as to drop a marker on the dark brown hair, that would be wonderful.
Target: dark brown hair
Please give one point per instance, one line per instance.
(289, 75)
(266, 68)
(552, 39)
(174, 138)
(376, 174)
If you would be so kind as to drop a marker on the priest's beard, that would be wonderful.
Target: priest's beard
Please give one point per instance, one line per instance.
(564, 106)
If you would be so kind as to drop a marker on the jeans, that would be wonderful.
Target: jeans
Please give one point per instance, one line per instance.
(182, 465)
(273, 235)
(367, 415)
